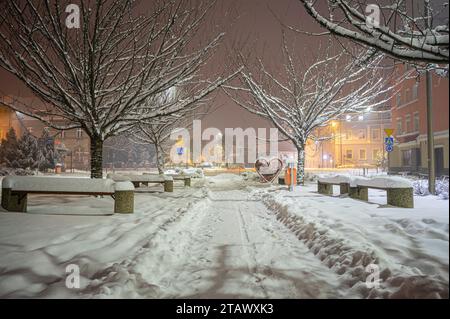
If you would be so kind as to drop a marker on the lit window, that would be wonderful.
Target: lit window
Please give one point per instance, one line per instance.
(416, 122)
(362, 154)
(362, 134)
(408, 123)
(348, 118)
(348, 135)
(360, 117)
(399, 126)
(375, 134)
(375, 153)
(349, 154)
(415, 91)
(399, 99)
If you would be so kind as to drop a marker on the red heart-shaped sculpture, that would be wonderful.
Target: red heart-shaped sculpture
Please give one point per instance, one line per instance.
(267, 169)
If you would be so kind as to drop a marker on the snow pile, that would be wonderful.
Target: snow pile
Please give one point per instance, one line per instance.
(421, 188)
(335, 179)
(191, 171)
(385, 182)
(410, 248)
(62, 184)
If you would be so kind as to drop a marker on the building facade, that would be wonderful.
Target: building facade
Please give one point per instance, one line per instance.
(409, 121)
(73, 145)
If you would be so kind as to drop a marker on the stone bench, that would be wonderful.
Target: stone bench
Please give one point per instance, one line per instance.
(15, 190)
(325, 185)
(176, 177)
(167, 181)
(399, 191)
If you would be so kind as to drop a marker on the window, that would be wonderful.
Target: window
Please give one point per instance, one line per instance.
(415, 91)
(362, 134)
(407, 95)
(79, 133)
(348, 118)
(1, 134)
(47, 130)
(30, 130)
(63, 134)
(362, 154)
(408, 123)
(416, 122)
(348, 135)
(399, 99)
(399, 126)
(375, 153)
(349, 154)
(375, 134)
(406, 158)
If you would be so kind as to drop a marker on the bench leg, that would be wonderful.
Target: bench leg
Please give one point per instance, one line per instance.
(136, 184)
(344, 188)
(14, 201)
(363, 193)
(326, 189)
(145, 183)
(168, 186)
(353, 192)
(124, 202)
(187, 182)
(400, 197)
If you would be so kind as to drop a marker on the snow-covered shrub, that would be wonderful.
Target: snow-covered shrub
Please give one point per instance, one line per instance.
(421, 188)
(15, 171)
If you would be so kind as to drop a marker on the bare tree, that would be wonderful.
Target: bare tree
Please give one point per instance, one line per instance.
(98, 76)
(157, 131)
(306, 95)
(399, 28)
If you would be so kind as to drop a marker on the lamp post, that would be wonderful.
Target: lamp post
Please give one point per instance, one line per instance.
(430, 136)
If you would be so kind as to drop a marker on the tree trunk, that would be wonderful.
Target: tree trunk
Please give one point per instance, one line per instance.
(301, 165)
(96, 157)
(159, 158)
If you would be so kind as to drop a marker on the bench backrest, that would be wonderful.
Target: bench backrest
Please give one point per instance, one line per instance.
(63, 184)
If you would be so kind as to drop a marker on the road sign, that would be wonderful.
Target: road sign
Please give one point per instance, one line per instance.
(389, 140)
(389, 131)
(389, 148)
(180, 150)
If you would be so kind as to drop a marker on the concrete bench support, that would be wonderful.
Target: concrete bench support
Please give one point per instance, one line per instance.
(124, 202)
(400, 197)
(344, 188)
(324, 188)
(14, 201)
(168, 186)
(363, 193)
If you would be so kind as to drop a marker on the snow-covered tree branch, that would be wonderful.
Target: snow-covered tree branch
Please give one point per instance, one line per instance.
(305, 95)
(99, 76)
(412, 31)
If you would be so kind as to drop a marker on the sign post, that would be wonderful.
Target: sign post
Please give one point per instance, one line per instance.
(389, 140)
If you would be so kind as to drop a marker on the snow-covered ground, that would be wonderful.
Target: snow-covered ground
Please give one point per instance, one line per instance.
(225, 237)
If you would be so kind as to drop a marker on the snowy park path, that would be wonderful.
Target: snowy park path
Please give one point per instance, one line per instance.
(239, 250)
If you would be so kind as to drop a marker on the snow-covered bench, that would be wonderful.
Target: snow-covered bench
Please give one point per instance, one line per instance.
(167, 181)
(325, 184)
(16, 188)
(399, 190)
(177, 177)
